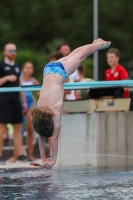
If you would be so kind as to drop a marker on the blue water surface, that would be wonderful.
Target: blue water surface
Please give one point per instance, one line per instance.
(66, 183)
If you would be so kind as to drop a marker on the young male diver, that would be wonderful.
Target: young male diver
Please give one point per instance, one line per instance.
(46, 116)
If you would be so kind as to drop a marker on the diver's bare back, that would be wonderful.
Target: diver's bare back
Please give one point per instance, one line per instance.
(51, 95)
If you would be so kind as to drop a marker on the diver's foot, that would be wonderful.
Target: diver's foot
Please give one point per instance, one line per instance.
(105, 45)
(102, 43)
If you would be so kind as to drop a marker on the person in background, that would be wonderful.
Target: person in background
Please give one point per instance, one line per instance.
(81, 72)
(66, 50)
(27, 79)
(55, 56)
(116, 71)
(82, 94)
(10, 106)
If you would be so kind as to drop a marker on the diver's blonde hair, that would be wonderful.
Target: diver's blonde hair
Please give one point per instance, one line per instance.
(42, 121)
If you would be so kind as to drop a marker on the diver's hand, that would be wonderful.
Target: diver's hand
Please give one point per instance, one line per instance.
(11, 78)
(49, 163)
(44, 160)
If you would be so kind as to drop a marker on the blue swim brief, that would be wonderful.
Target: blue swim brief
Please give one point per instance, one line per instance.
(55, 68)
(29, 101)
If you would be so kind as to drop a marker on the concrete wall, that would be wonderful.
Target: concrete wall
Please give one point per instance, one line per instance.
(98, 139)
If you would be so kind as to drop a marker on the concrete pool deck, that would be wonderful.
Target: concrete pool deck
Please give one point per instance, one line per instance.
(96, 139)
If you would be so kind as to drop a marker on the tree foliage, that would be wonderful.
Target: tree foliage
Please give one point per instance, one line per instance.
(40, 25)
(32, 24)
(115, 24)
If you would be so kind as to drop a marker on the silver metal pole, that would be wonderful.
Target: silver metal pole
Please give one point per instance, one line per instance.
(95, 35)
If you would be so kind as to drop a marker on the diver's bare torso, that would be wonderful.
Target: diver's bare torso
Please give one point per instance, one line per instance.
(51, 95)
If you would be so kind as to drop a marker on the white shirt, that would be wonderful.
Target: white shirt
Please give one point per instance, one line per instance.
(9, 63)
(72, 78)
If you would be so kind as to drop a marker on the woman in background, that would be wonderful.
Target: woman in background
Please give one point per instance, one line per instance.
(27, 79)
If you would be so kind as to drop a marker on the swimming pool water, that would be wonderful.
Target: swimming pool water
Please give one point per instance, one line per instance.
(66, 183)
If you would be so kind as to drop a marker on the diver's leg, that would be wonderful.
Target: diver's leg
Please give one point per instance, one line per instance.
(74, 59)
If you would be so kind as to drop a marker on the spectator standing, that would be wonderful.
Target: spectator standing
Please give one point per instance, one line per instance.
(65, 50)
(81, 72)
(55, 56)
(82, 94)
(116, 71)
(10, 107)
(27, 79)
